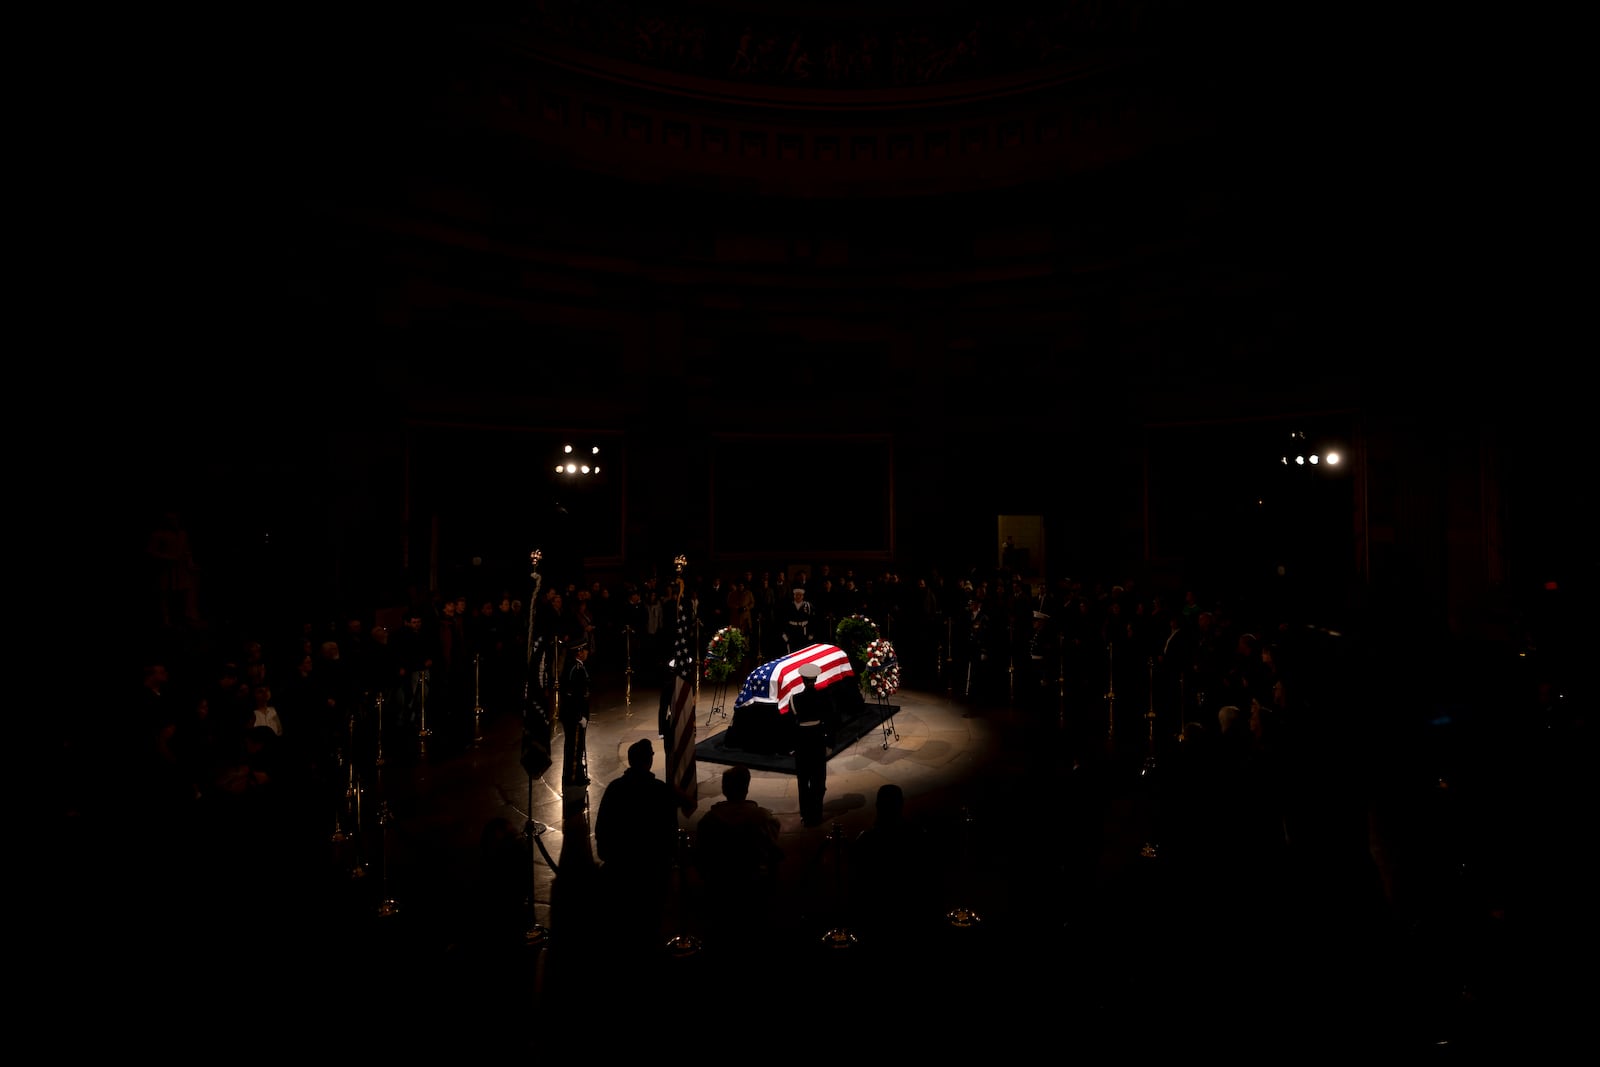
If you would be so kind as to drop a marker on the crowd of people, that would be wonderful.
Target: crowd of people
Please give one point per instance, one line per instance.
(236, 734)
(215, 693)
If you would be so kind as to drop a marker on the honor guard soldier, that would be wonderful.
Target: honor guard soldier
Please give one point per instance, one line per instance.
(812, 742)
(575, 715)
(796, 618)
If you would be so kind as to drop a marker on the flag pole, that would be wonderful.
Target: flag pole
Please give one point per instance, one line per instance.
(683, 944)
(537, 935)
(683, 683)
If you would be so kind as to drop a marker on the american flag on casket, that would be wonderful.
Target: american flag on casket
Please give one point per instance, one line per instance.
(775, 681)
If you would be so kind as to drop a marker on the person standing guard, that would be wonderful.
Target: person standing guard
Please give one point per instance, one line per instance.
(1043, 657)
(979, 640)
(810, 746)
(796, 619)
(575, 715)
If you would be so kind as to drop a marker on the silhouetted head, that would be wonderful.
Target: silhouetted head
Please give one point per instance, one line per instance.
(891, 802)
(736, 783)
(641, 754)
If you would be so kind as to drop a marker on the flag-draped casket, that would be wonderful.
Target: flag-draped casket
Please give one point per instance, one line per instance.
(762, 718)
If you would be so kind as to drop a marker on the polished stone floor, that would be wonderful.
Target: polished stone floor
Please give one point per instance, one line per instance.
(375, 923)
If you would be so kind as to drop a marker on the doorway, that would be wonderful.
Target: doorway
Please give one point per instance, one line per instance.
(1020, 546)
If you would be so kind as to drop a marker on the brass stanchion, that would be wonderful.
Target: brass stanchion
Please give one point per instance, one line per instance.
(350, 763)
(627, 664)
(423, 733)
(963, 916)
(359, 868)
(1011, 662)
(345, 758)
(683, 944)
(1061, 681)
(949, 651)
(559, 658)
(1151, 849)
(387, 906)
(1111, 694)
(1150, 717)
(477, 699)
(1011, 674)
(339, 836)
(379, 760)
(838, 936)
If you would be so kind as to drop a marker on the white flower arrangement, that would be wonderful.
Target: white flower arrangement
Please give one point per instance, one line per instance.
(882, 675)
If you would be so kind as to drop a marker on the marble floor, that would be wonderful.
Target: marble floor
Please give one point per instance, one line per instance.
(1062, 916)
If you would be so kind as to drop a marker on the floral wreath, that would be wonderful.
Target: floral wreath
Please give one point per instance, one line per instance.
(854, 634)
(724, 652)
(882, 675)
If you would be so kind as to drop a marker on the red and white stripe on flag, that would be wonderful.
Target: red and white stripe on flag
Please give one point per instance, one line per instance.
(683, 775)
(777, 680)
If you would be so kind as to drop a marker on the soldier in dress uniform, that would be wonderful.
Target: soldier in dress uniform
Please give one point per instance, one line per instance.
(978, 656)
(575, 715)
(812, 740)
(1043, 662)
(796, 619)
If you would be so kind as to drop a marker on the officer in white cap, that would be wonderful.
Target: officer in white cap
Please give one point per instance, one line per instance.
(810, 746)
(796, 618)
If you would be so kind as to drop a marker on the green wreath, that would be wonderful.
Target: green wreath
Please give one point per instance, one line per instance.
(724, 652)
(854, 634)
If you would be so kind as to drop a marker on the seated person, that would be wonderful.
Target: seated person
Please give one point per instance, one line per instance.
(896, 886)
(736, 841)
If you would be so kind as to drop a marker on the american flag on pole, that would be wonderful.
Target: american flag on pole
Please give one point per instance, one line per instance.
(778, 679)
(680, 753)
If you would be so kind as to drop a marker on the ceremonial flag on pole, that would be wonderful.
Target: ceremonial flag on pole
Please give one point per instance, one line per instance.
(536, 734)
(680, 755)
(778, 679)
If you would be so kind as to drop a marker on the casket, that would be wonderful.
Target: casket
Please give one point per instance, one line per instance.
(762, 721)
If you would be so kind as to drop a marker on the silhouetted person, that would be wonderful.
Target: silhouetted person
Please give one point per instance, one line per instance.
(894, 884)
(737, 851)
(636, 836)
